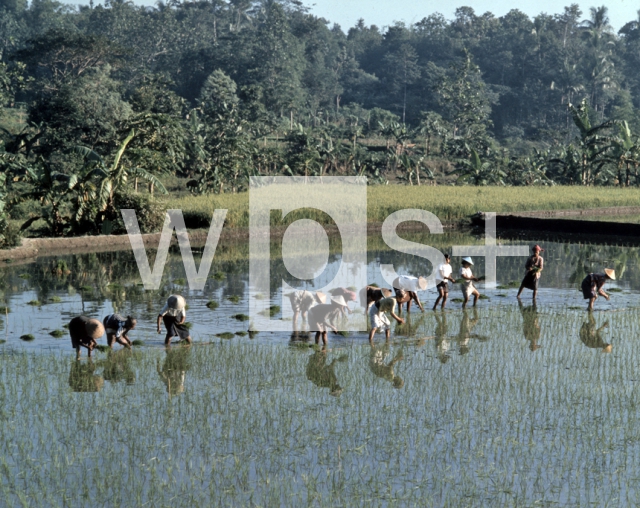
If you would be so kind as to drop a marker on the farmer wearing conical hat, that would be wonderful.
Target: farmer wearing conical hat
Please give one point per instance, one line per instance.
(592, 285)
(301, 303)
(378, 317)
(85, 331)
(406, 288)
(173, 314)
(533, 268)
(466, 284)
(322, 316)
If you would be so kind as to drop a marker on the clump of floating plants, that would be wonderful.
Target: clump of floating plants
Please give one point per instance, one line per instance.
(27, 337)
(55, 299)
(240, 317)
(233, 298)
(57, 333)
(225, 335)
(271, 311)
(102, 348)
(212, 304)
(137, 342)
(241, 333)
(35, 303)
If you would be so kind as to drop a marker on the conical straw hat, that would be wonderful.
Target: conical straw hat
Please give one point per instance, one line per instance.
(610, 273)
(422, 283)
(176, 302)
(94, 328)
(339, 300)
(321, 297)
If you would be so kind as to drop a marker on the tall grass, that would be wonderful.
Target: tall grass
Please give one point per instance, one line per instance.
(448, 203)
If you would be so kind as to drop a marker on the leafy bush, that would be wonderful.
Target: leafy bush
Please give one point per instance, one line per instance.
(10, 235)
(149, 212)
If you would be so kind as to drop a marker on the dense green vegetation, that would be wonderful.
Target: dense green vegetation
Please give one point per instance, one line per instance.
(102, 105)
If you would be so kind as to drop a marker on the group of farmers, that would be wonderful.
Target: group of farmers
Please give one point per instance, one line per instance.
(322, 314)
(86, 331)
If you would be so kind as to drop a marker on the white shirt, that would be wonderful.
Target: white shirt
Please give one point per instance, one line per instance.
(442, 272)
(173, 312)
(468, 273)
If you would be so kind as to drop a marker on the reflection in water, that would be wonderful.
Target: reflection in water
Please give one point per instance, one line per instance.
(117, 367)
(83, 379)
(323, 375)
(592, 336)
(174, 369)
(443, 343)
(530, 325)
(377, 359)
(464, 334)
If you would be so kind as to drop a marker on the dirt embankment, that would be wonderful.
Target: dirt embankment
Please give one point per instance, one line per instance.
(31, 248)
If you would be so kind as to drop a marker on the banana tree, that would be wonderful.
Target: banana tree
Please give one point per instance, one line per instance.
(476, 172)
(113, 179)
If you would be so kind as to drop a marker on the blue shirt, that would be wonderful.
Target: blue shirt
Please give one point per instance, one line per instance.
(115, 322)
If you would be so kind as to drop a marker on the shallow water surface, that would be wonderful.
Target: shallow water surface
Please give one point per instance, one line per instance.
(507, 403)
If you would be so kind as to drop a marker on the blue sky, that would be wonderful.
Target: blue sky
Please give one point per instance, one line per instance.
(385, 12)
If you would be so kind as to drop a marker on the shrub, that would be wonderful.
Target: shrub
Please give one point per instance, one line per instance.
(149, 212)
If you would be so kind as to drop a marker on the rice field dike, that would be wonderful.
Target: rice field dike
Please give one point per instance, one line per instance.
(505, 404)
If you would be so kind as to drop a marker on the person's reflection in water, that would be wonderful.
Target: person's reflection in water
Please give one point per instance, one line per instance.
(377, 359)
(117, 367)
(592, 336)
(174, 369)
(83, 379)
(323, 375)
(303, 336)
(530, 325)
(464, 334)
(442, 344)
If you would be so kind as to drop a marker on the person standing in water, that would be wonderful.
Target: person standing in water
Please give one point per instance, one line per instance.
(468, 279)
(173, 314)
(592, 286)
(322, 317)
(443, 276)
(378, 317)
(117, 328)
(533, 268)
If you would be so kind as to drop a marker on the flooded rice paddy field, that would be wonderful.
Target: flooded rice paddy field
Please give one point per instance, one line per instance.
(506, 404)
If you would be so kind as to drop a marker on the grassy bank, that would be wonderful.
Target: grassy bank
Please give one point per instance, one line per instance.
(448, 203)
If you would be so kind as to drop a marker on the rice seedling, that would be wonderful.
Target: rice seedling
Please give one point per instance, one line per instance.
(102, 348)
(4, 309)
(86, 288)
(240, 317)
(212, 304)
(614, 290)
(188, 325)
(55, 299)
(137, 343)
(179, 282)
(234, 298)
(271, 311)
(25, 275)
(241, 333)
(27, 337)
(35, 303)
(57, 333)
(218, 276)
(225, 335)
